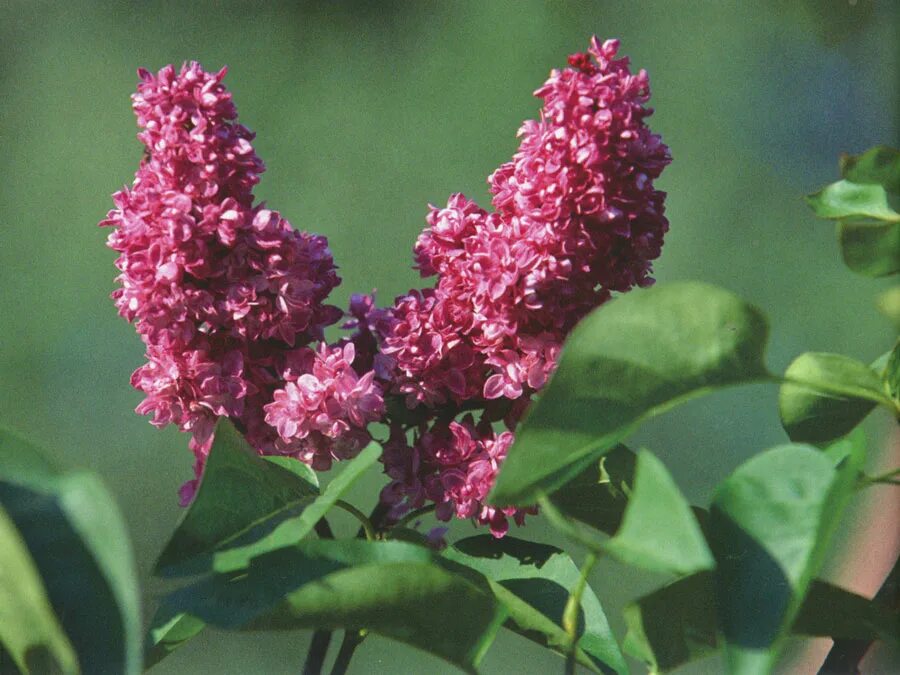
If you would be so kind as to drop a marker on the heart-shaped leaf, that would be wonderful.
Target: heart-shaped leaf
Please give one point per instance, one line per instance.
(239, 491)
(631, 359)
(826, 395)
(659, 531)
(771, 522)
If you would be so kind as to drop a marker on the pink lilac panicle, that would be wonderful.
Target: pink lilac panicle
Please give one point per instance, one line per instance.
(576, 218)
(453, 465)
(321, 415)
(225, 294)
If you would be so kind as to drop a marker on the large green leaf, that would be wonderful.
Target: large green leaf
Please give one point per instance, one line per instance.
(598, 495)
(629, 360)
(296, 525)
(80, 547)
(540, 577)
(771, 522)
(391, 588)
(29, 629)
(239, 491)
(677, 623)
(827, 395)
(659, 531)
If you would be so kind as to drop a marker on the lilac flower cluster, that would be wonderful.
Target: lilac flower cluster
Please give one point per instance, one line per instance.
(230, 301)
(575, 218)
(225, 294)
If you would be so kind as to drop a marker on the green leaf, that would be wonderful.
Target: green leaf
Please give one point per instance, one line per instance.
(295, 526)
(630, 360)
(872, 250)
(303, 471)
(659, 531)
(167, 633)
(846, 200)
(771, 522)
(888, 303)
(540, 577)
(677, 623)
(891, 376)
(80, 547)
(880, 165)
(392, 588)
(239, 491)
(827, 395)
(869, 228)
(29, 629)
(599, 494)
(673, 625)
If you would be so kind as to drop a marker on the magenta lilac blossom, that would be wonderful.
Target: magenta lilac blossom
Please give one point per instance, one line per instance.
(225, 294)
(576, 217)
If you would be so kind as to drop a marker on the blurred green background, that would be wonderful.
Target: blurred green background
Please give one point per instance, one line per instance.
(366, 112)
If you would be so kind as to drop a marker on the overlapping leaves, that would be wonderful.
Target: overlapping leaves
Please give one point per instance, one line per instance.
(68, 568)
(259, 570)
(630, 360)
(868, 224)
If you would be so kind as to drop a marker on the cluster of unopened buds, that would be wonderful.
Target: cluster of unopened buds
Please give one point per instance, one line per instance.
(231, 301)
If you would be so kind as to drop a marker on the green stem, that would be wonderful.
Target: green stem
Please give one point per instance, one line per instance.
(890, 477)
(318, 649)
(352, 640)
(570, 613)
(412, 515)
(360, 516)
(564, 525)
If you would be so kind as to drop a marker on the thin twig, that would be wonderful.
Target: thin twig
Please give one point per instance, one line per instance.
(570, 613)
(367, 527)
(412, 515)
(318, 650)
(891, 477)
(352, 640)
